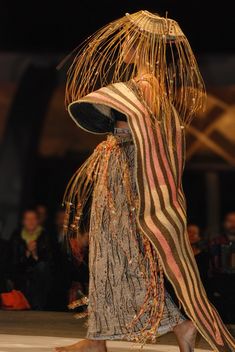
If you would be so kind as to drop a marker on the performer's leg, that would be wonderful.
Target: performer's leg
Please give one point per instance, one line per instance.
(185, 333)
(85, 345)
(183, 328)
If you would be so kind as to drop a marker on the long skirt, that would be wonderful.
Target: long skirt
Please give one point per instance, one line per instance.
(127, 298)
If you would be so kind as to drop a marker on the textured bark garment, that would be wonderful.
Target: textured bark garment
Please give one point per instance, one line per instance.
(123, 279)
(161, 215)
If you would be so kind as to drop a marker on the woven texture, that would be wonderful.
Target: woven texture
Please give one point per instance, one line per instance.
(120, 256)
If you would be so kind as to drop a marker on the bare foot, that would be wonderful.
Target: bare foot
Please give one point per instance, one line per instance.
(186, 335)
(84, 346)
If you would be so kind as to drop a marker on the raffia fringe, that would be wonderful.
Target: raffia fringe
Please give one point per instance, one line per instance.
(94, 172)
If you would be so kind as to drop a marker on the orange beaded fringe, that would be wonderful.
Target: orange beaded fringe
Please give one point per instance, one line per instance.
(92, 173)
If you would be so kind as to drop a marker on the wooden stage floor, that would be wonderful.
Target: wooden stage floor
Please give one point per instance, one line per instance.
(41, 331)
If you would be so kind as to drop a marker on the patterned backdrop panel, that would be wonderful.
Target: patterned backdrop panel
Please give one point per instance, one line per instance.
(213, 132)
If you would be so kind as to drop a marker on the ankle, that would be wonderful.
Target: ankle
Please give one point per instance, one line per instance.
(98, 342)
(186, 324)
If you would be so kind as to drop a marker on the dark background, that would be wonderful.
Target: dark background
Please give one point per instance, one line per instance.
(58, 26)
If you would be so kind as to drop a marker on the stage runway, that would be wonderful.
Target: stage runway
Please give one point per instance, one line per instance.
(42, 331)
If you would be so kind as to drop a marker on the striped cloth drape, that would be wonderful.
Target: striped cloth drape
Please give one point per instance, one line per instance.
(160, 158)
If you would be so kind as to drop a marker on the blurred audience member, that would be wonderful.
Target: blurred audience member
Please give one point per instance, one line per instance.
(4, 266)
(32, 260)
(62, 265)
(71, 264)
(200, 250)
(222, 247)
(58, 226)
(42, 212)
(222, 251)
(79, 249)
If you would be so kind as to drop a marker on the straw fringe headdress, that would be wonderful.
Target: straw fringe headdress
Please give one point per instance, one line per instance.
(160, 47)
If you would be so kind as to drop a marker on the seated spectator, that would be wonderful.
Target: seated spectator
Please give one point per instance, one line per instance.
(31, 260)
(58, 227)
(71, 264)
(79, 251)
(222, 247)
(200, 250)
(222, 251)
(43, 218)
(4, 266)
(62, 275)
